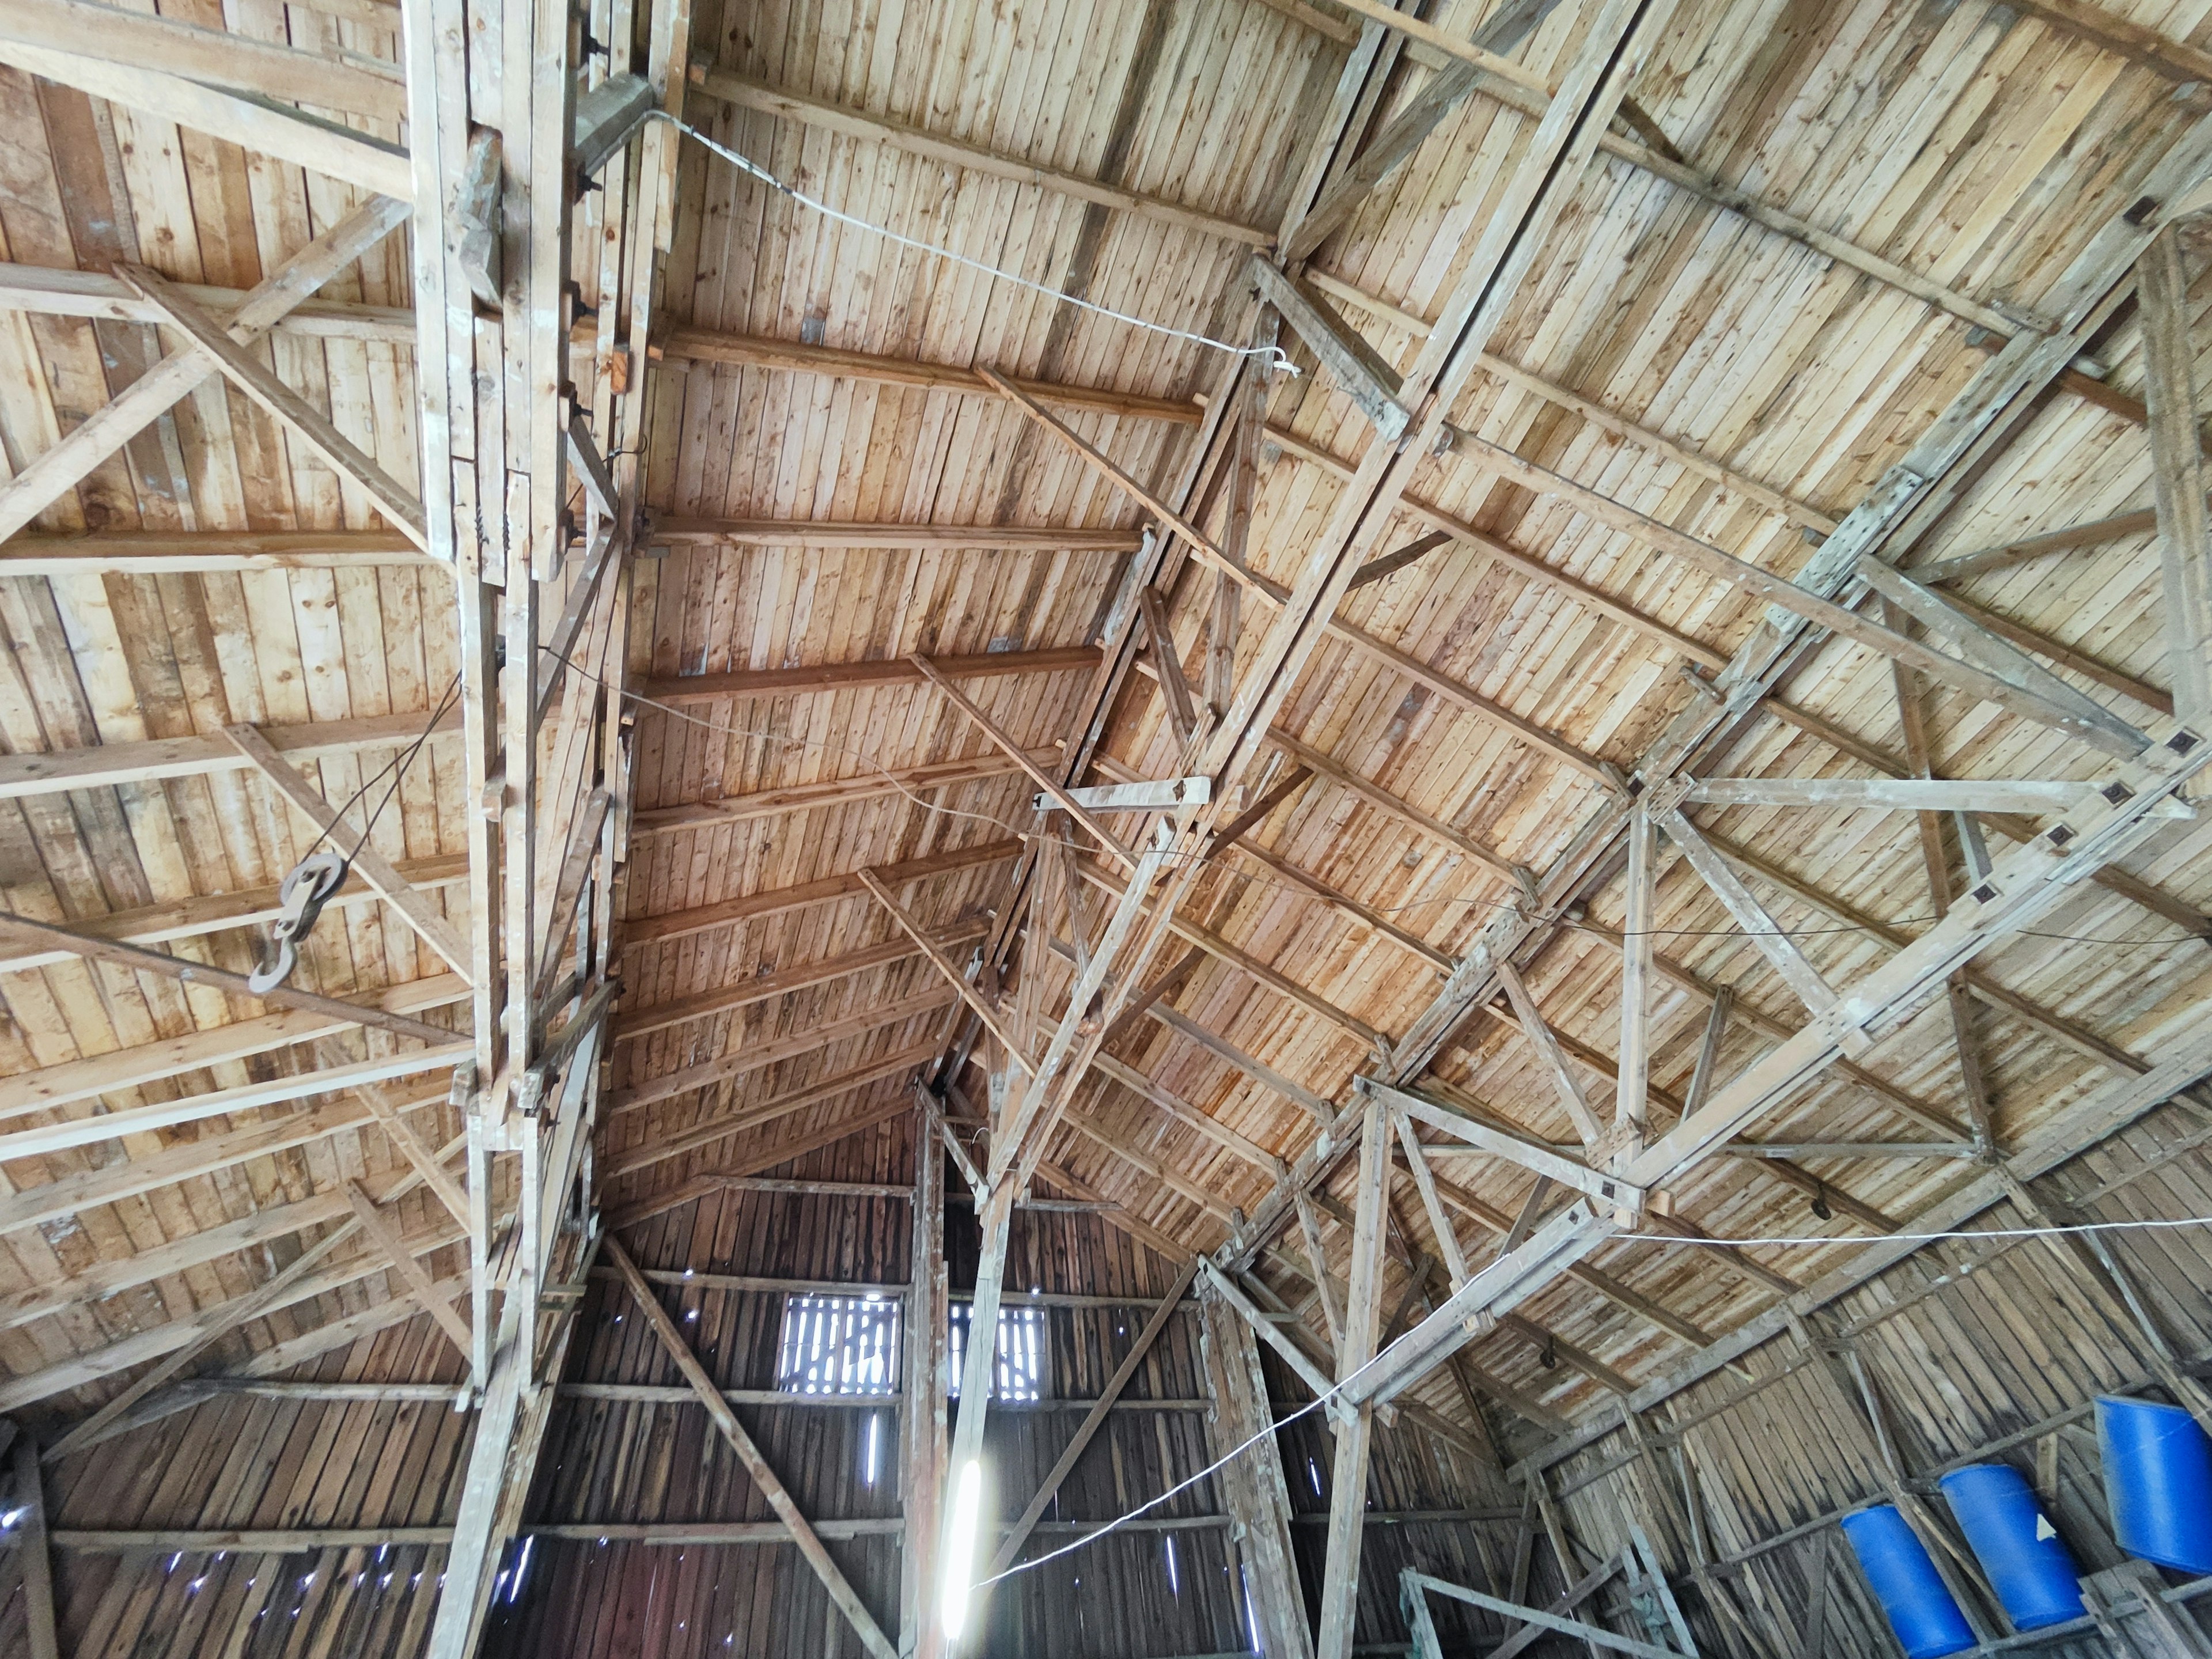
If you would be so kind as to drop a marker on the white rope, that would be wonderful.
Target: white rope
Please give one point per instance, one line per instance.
(1237, 1450)
(1278, 360)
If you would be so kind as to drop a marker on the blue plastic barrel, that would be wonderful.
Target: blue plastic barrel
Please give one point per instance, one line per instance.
(2157, 1482)
(1927, 1620)
(2028, 1562)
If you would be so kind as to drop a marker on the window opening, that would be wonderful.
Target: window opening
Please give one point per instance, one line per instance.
(1017, 1373)
(838, 1345)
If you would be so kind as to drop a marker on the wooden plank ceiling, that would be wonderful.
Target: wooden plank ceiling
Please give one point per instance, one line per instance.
(1808, 231)
(1668, 361)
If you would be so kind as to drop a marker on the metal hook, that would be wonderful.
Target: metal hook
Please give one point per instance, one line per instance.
(305, 889)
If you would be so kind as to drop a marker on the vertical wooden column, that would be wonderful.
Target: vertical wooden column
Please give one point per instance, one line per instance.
(1252, 1485)
(922, 1420)
(31, 1548)
(1632, 1109)
(1362, 1319)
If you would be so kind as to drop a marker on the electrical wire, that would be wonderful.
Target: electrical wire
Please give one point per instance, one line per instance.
(1315, 1405)
(1278, 359)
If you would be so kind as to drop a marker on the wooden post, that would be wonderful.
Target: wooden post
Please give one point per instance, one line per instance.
(2178, 471)
(1631, 1111)
(38, 1567)
(922, 1423)
(1340, 1603)
(1252, 1484)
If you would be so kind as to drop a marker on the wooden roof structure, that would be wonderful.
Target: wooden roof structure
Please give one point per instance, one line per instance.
(1463, 724)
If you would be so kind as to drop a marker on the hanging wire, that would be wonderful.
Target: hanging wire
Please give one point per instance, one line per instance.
(1278, 360)
(1237, 1450)
(397, 768)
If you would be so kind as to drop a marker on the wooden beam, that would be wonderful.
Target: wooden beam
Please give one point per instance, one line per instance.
(775, 901)
(1324, 1281)
(1631, 1107)
(2096, 533)
(1774, 943)
(44, 1138)
(99, 766)
(2162, 54)
(1277, 596)
(198, 1335)
(2042, 695)
(914, 140)
(939, 675)
(1337, 772)
(1252, 1485)
(2185, 526)
(1165, 985)
(1425, 1182)
(1094, 1420)
(418, 1152)
(161, 553)
(928, 538)
(32, 1562)
(49, 474)
(644, 1021)
(1355, 366)
(1274, 978)
(746, 1117)
(688, 344)
(923, 1382)
(1183, 716)
(660, 1200)
(1339, 1595)
(1540, 1035)
(313, 428)
(1897, 794)
(1266, 1329)
(414, 906)
(838, 677)
(726, 1423)
(2132, 887)
(22, 934)
(1259, 1070)
(962, 987)
(2065, 655)
(1200, 543)
(577, 859)
(1513, 558)
(1391, 145)
(1391, 563)
(285, 135)
(809, 797)
(215, 57)
(749, 1057)
(53, 292)
(52, 1086)
(386, 1238)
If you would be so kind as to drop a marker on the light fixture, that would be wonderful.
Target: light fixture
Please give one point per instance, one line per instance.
(960, 1547)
